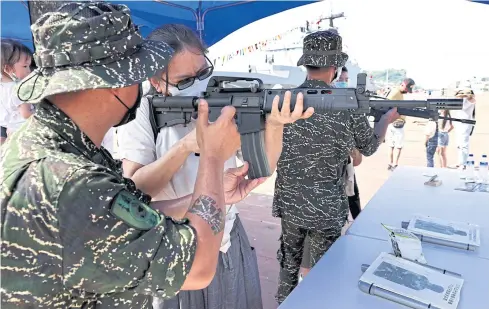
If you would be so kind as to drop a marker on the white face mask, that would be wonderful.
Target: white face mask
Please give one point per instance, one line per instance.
(195, 90)
(12, 76)
(174, 91)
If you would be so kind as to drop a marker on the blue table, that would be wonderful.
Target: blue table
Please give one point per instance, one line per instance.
(333, 282)
(404, 195)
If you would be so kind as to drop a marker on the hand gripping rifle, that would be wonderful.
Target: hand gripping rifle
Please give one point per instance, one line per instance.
(253, 102)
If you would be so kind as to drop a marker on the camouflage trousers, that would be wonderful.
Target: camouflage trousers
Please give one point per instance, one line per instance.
(291, 252)
(431, 146)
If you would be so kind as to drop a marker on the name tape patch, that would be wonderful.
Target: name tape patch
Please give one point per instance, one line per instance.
(127, 208)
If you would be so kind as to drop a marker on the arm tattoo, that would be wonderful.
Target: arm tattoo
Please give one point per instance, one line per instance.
(206, 208)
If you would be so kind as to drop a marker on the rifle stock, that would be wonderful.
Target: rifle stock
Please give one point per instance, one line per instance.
(254, 102)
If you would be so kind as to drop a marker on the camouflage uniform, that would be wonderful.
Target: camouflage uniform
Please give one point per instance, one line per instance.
(431, 146)
(75, 233)
(310, 190)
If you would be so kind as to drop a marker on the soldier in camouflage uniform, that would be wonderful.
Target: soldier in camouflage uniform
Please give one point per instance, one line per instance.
(75, 233)
(310, 194)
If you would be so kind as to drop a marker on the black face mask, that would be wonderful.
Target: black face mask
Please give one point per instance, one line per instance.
(131, 112)
(335, 76)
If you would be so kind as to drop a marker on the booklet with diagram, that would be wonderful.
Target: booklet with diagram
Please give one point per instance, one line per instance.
(482, 187)
(410, 284)
(467, 186)
(444, 232)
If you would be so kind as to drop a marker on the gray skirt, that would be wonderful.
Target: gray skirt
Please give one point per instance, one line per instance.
(236, 284)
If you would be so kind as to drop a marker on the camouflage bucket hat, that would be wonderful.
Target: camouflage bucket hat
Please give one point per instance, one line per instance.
(323, 49)
(90, 45)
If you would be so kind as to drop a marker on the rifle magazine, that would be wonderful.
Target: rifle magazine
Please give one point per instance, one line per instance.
(253, 150)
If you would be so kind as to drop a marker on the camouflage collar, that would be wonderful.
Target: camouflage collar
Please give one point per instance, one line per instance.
(78, 143)
(54, 118)
(314, 84)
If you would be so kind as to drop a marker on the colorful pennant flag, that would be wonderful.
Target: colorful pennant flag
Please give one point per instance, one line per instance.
(259, 46)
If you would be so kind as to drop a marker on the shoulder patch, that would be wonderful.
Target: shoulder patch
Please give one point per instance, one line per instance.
(133, 212)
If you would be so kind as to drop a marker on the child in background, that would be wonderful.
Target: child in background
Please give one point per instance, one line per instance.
(443, 138)
(431, 132)
(15, 65)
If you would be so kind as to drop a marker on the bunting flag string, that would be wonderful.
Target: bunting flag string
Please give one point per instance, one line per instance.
(262, 45)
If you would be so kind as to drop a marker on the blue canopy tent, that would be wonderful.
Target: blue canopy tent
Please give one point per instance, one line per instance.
(213, 20)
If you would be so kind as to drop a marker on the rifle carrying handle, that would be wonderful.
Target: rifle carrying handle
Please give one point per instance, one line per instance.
(253, 150)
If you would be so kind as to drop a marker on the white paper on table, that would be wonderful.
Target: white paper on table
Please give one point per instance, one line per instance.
(414, 281)
(467, 186)
(483, 187)
(458, 232)
(405, 244)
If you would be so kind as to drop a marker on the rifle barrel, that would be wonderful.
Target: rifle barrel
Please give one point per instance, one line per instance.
(452, 104)
(467, 121)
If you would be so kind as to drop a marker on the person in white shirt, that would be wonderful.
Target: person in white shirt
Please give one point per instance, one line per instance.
(165, 167)
(463, 130)
(108, 141)
(15, 64)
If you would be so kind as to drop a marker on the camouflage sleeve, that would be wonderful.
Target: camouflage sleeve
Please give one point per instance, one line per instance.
(113, 242)
(366, 141)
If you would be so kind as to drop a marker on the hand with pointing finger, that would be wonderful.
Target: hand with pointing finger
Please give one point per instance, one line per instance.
(284, 115)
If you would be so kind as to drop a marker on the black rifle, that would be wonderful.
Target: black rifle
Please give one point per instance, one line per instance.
(253, 102)
(418, 113)
(431, 114)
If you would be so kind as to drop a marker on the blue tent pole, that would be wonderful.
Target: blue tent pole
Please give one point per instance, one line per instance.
(200, 21)
(201, 15)
(197, 14)
(31, 22)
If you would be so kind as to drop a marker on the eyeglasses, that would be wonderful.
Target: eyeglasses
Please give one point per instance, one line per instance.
(201, 75)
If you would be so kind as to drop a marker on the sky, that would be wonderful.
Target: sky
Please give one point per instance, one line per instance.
(436, 41)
